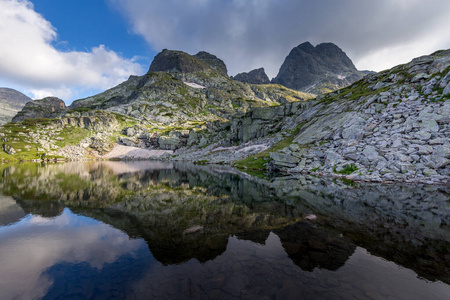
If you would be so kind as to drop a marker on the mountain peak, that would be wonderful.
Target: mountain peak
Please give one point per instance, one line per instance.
(306, 46)
(11, 102)
(257, 76)
(309, 68)
(172, 61)
(212, 61)
(176, 61)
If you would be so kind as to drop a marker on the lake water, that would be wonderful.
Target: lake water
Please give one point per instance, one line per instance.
(154, 230)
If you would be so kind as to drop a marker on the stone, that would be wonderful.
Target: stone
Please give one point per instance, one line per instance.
(446, 90)
(397, 143)
(438, 141)
(9, 149)
(423, 135)
(332, 158)
(284, 159)
(371, 153)
(169, 143)
(429, 172)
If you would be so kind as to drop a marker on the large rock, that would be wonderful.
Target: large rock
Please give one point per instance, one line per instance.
(317, 69)
(257, 76)
(50, 107)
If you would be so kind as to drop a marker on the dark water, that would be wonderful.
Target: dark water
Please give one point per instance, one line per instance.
(152, 230)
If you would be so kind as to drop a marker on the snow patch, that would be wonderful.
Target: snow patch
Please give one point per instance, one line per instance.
(254, 149)
(194, 85)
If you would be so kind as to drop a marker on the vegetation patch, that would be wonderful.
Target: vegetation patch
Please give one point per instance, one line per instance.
(348, 169)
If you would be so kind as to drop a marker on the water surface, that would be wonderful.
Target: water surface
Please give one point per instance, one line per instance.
(116, 230)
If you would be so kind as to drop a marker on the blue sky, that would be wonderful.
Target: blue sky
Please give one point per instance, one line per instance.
(77, 48)
(84, 24)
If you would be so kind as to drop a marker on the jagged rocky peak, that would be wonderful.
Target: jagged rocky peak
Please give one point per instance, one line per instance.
(319, 69)
(11, 102)
(49, 107)
(172, 61)
(213, 61)
(257, 76)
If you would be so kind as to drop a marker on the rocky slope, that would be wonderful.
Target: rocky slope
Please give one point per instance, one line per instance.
(11, 102)
(257, 76)
(318, 70)
(179, 102)
(390, 126)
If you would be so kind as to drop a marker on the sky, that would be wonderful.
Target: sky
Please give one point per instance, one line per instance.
(73, 49)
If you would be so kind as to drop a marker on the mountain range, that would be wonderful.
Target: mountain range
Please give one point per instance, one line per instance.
(387, 126)
(11, 102)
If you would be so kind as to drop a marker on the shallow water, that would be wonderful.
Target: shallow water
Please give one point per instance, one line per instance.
(140, 230)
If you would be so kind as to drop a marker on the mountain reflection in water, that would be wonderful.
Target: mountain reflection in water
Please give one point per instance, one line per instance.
(163, 230)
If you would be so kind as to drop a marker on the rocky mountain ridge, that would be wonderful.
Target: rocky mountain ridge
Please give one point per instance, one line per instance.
(389, 126)
(180, 87)
(318, 69)
(11, 102)
(257, 76)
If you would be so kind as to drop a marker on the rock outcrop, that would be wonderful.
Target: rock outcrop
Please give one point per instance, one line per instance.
(49, 107)
(11, 102)
(172, 61)
(318, 70)
(213, 62)
(257, 76)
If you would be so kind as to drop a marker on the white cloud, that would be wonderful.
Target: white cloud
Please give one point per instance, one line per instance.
(36, 244)
(30, 60)
(251, 34)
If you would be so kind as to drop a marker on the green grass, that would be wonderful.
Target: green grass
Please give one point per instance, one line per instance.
(348, 169)
(72, 136)
(347, 182)
(258, 161)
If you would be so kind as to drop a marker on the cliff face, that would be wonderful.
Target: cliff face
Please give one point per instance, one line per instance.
(11, 102)
(50, 107)
(257, 76)
(319, 69)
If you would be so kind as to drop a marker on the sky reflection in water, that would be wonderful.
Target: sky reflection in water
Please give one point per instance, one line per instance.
(70, 255)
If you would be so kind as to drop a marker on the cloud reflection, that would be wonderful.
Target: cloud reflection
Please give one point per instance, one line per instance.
(35, 244)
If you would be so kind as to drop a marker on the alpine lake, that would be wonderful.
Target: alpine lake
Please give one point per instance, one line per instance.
(161, 230)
